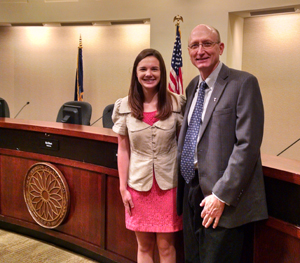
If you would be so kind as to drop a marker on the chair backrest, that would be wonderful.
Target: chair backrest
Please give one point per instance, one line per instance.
(86, 111)
(107, 112)
(5, 110)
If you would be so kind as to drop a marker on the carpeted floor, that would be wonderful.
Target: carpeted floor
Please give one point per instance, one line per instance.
(15, 248)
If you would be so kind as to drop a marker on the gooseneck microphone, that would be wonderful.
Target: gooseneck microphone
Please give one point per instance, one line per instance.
(110, 110)
(22, 109)
(288, 147)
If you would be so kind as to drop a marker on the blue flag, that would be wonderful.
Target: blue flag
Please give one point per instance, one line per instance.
(78, 96)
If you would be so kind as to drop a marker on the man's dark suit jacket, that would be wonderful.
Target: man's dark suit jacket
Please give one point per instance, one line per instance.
(229, 163)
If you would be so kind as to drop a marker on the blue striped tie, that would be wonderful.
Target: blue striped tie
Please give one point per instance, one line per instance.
(187, 167)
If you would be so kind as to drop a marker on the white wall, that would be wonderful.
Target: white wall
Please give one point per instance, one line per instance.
(38, 65)
(160, 13)
(271, 53)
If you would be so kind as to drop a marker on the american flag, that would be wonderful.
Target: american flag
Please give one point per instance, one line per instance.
(175, 83)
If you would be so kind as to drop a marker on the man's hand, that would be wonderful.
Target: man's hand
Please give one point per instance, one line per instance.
(212, 211)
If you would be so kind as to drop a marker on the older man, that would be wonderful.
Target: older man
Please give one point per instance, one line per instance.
(220, 186)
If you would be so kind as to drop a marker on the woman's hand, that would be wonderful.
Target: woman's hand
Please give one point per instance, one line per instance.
(127, 201)
(123, 167)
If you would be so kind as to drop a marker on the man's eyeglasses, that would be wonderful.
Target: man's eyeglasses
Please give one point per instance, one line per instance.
(205, 45)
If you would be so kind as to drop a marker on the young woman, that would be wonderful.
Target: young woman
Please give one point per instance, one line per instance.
(147, 122)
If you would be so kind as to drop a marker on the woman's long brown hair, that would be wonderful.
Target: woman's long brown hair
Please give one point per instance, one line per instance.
(136, 95)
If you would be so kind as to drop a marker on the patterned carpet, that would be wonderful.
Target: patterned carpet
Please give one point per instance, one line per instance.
(15, 248)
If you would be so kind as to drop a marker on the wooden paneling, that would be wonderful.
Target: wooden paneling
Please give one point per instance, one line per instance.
(278, 238)
(95, 225)
(118, 238)
(274, 245)
(87, 160)
(13, 171)
(85, 198)
(84, 219)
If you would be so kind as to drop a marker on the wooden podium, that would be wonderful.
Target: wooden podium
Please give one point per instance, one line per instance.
(278, 238)
(86, 156)
(94, 223)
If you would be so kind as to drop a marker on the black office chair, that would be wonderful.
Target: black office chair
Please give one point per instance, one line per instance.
(86, 111)
(4, 109)
(106, 120)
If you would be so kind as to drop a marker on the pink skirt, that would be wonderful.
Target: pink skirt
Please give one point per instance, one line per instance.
(154, 211)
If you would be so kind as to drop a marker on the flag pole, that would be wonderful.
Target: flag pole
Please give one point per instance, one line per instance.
(80, 42)
(175, 81)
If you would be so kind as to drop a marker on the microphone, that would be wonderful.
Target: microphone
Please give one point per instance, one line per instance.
(22, 109)
(109, 111)
(288, 147)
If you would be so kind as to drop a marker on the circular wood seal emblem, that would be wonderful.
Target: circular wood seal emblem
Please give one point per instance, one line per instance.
(46, 195)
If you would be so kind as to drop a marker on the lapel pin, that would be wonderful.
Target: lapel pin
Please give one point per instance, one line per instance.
(215, 99)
